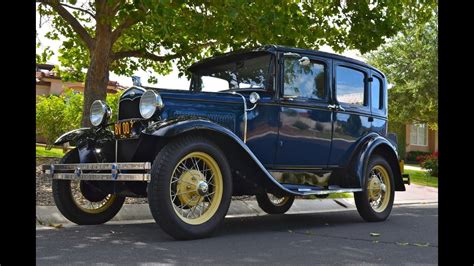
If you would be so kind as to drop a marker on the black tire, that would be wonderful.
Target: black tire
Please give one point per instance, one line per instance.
(161, 205)
(270, 207)
(65, 203)
(366, 211)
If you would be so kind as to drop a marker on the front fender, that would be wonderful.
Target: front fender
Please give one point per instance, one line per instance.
(72, 136)
(92, 144)
(177, 126)
(76, 136)
(381, 146)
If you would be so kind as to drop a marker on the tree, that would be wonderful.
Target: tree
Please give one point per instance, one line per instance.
(123, 36)
(410, 62)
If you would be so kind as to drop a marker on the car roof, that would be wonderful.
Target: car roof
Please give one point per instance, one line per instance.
(239, 54)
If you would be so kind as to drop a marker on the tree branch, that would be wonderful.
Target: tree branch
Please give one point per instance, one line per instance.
(76, 26)
(80, 9)
(126, 23)
(144, 54)
(160, 58)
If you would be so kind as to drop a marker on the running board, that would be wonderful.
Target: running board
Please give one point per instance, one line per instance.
(310, 190)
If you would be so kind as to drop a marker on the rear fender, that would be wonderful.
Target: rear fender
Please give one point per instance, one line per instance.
(378, 145)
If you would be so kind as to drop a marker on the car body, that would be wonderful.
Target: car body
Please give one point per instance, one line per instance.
(286, 121)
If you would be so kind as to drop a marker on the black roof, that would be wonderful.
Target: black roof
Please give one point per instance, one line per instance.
(229, 56)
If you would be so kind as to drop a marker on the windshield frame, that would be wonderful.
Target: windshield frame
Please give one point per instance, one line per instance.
(196, 82)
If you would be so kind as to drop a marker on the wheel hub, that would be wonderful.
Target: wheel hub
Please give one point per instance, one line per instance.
(191, 187)
(202, 188)
(375, 188)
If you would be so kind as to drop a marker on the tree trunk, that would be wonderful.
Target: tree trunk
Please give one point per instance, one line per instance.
(97, 77)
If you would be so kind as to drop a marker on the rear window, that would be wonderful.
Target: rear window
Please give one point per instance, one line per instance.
(377, 94)
(350, 85)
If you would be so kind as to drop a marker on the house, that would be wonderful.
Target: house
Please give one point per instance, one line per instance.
(420, 138)
(48, 82)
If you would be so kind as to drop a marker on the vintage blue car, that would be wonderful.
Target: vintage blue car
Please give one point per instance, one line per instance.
(274, 122)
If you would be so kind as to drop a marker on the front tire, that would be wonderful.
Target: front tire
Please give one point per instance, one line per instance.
(274, 205)
(374, 203)
(190, 188)
(82, 203)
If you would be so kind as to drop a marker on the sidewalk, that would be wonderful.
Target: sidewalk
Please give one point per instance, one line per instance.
(413, 167)
(414, 194)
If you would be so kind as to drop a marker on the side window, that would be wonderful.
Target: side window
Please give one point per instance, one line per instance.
(304, 81)
(377, 94)
(350, 86)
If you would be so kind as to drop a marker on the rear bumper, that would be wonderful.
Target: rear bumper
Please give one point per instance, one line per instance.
(406, 179)
(132, 171)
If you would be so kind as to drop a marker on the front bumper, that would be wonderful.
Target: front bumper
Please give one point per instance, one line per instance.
(132, 171)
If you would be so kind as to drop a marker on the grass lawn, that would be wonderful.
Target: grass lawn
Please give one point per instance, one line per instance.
(54, 152)
(422, 178)
(340, 195)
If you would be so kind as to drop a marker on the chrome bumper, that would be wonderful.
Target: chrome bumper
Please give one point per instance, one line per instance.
(99, 171)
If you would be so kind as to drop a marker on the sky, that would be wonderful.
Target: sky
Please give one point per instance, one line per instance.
(171, 81)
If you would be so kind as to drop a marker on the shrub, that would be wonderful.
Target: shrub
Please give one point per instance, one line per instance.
(412, 156)
(50, 122)
(56, 115)
(430, 163)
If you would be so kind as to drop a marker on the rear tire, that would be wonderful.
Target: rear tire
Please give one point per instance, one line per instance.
(68, 205)
(190, 188)
(277, 206)
(371, 209)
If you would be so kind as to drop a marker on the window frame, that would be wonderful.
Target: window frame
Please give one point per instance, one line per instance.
(425, 131)
(327, 83)
(348, 106)
(383, 94)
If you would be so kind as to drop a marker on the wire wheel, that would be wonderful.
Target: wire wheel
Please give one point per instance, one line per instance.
(378, 188)
(276, 200)
(196, 188)
(97, 204)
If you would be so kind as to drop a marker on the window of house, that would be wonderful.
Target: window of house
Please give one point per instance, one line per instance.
(419, 135)
(350, 85)
(377, 93)
(304, 81)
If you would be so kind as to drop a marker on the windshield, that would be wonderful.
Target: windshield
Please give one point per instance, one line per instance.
(249, 73)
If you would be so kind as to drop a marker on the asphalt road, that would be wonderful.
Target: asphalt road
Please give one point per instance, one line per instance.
(410, 235)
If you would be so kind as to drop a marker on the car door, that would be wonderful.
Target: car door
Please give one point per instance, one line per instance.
(352, 113)
(305, 123)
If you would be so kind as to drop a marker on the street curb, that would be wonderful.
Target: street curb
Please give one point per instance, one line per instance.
(47, 215)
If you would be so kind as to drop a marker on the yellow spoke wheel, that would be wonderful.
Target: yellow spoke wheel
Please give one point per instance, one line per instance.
(374, 203)
(190, 188)
(378, 188)
(196, 188)
(88, 206)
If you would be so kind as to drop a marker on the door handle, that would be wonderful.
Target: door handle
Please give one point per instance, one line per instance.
(335, 107)
(371, 119)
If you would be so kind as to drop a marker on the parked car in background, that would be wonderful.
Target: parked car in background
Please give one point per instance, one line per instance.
(275, 122)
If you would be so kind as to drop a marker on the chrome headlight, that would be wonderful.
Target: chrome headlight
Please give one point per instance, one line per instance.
(254, 97)
(99, 113)
(149, 103)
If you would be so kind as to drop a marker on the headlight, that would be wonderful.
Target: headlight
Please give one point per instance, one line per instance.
(149, 103)
(99, 113)
(254, 97)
